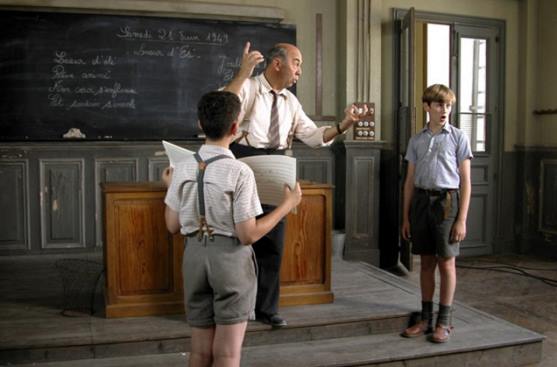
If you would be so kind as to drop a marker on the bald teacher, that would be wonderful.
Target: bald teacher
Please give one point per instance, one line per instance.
(271, 117)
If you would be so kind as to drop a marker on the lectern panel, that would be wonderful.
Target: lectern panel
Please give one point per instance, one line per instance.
(305, 243)
(143, 261)
(145, 249)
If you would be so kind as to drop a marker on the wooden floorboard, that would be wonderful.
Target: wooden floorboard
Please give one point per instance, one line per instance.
(370, 308)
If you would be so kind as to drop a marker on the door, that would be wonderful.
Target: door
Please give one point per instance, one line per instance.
(474, 72)
(476, 113)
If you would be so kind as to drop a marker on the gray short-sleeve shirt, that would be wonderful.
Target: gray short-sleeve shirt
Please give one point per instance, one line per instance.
(437, 157)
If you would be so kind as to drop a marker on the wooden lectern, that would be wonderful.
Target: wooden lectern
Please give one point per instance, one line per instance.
(143, 261)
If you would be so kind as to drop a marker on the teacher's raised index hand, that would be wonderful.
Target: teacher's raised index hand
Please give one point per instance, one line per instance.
(250, 59)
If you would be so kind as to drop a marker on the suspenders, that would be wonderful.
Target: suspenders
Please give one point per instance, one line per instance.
(204, 227)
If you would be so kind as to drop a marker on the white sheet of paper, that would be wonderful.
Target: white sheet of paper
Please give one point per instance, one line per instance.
(271, 173)
(175, 153)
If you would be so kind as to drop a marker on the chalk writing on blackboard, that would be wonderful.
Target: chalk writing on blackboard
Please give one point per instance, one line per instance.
(116, 76)
(90, 86)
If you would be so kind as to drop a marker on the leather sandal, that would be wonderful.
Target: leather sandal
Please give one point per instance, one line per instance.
(442, 334)
(418, 329)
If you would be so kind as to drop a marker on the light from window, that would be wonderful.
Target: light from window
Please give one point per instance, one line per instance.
(472, 91)
(438, 54)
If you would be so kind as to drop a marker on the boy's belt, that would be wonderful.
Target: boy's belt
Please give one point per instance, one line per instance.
(197, 235)
(435, 192)
(442, 197)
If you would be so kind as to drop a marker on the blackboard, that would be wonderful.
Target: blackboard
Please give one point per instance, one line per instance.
(117, 77)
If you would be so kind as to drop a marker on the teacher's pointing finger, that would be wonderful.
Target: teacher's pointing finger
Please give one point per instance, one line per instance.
(246, 48)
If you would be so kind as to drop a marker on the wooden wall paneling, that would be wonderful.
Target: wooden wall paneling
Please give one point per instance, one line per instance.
(315, 169)
(314, 164)
(122, 169)
(14, 204)
(116, 169)
(62, 203)
(156, 167)
(535, 229)
(363, 168)
(362, 202)
(548, 197)
(83, 167)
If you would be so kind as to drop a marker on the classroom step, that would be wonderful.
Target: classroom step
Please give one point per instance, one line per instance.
(172, 335)
(371, 307)
(469, 346)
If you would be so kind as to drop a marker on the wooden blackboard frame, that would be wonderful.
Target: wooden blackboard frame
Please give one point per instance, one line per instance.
(114, 76)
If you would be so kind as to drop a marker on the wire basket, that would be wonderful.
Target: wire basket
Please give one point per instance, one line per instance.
(79, 282)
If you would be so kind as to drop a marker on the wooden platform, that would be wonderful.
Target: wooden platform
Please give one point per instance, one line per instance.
(360, 328)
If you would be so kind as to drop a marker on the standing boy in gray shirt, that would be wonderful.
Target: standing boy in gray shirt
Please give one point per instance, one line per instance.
(436, 200)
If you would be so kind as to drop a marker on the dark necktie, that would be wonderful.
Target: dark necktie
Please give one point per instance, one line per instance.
(273, 134)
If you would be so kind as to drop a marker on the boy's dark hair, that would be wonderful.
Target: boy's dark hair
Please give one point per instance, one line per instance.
(438, 93)
(216, 112)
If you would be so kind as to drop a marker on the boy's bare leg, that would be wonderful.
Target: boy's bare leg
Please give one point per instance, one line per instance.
(447, 270)
(227, 345)
(427, 276)
(201, 347)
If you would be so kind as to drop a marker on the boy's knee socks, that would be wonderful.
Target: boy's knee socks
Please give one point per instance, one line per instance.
(444, 316)
(427, 311)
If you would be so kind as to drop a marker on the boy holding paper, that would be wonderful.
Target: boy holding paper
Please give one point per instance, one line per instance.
(212, 199)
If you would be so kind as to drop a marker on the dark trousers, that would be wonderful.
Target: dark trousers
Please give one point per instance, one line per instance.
(268, 254)
(268, 250)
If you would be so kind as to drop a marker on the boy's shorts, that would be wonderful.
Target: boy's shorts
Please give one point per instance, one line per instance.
(432, 215)
(219, 281)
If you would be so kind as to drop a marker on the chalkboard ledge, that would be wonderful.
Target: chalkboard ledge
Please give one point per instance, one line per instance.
(77, 145)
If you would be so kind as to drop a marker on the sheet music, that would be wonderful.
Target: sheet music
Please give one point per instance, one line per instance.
(175, 153)
(271, 173)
